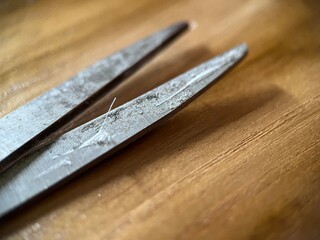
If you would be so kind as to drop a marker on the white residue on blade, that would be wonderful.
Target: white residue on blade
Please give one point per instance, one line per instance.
(100, 137)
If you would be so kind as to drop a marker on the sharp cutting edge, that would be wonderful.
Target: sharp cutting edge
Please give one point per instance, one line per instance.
(84, 146)
(41, 120)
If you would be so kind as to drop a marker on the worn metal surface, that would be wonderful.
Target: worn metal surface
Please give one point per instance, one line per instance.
(30, 125)
(86, 145)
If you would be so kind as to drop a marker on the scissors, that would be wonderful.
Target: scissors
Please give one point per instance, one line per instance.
(36, 156)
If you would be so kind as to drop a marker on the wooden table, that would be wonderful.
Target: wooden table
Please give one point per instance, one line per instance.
(240, 162)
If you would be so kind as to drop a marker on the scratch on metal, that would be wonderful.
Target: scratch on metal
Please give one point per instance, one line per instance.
(59, 164)
(199, 77)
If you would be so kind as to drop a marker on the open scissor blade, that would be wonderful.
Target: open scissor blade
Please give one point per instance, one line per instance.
(38, 121)
(82, 147)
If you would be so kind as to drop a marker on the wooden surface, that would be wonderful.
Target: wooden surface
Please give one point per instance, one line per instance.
(240, 162)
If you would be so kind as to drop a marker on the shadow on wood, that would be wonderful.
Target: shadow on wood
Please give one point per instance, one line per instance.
(135, 156)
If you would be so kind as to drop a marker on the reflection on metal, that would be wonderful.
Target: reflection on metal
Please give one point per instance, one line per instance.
(86, 145)
(24, 129)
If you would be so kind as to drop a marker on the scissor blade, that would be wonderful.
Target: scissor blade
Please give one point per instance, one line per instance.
(31, 125)
(75, 151)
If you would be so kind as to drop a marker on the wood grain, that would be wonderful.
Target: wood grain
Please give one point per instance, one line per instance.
(240, 162)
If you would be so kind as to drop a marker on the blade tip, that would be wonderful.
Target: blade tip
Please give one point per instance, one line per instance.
(181, 26)
(241, 50)
(237, 53)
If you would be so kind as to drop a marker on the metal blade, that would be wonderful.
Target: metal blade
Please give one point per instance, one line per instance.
(86, 145)
(31, 125)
